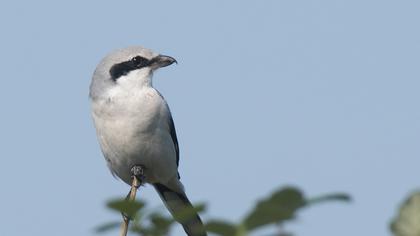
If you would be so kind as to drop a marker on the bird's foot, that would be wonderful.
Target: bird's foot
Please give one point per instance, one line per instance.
(137, 171)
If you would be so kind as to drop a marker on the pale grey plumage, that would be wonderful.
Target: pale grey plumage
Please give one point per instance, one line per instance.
(135, 127)
(100, 79)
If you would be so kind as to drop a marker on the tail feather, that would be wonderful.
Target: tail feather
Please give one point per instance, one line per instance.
(177, 203)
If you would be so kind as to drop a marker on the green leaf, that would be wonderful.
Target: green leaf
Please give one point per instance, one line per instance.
(188, 213)
(140, 229)
(329, 197)
(221, 228)
(161, 224)
(106, 227)
(280, 206)
(129, 208)
(407, 223)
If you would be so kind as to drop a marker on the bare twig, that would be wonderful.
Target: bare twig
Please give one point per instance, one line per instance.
(137, 178)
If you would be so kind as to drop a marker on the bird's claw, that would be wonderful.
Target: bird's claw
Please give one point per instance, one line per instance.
(137, 171)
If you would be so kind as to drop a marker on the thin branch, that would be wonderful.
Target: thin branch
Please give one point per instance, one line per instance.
(135, 184)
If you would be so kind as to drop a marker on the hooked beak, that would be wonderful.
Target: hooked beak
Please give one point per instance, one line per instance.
(161, 61)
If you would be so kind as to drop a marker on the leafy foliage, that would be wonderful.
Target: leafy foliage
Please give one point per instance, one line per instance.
(280, 206)
(128, 208)
(276, 209)
(407, 222)
(187, 213)
(222, 228)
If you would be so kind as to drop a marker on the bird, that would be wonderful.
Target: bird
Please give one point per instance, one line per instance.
(134, 126)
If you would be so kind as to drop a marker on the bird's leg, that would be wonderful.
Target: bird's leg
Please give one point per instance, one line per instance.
(137, 178)
(137, 171)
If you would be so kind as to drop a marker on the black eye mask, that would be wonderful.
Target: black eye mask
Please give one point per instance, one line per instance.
(125, 67)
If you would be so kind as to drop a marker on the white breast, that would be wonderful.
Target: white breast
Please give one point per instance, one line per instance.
(133, 129)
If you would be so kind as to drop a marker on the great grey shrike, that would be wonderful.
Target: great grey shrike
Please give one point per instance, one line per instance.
(135, 127)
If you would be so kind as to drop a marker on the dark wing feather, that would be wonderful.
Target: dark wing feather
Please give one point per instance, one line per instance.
(178, 203)
(172, 132)
(174, 138)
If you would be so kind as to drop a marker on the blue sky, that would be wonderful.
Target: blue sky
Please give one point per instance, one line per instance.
(322, 95)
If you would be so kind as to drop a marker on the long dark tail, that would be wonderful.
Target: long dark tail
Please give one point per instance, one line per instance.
(178, 203)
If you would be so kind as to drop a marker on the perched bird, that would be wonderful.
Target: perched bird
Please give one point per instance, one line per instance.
(135, 127)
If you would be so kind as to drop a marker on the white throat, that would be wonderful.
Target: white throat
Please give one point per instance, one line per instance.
(130, 86)
(136, 79)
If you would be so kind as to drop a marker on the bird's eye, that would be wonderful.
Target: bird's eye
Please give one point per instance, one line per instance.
(138, 60)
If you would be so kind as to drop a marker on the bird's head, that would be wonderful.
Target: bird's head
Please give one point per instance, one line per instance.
(130, 66)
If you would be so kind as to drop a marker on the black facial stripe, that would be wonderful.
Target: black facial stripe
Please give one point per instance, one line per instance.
(123, 68)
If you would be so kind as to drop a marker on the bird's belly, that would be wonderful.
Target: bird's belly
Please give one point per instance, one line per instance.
(126, 143)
